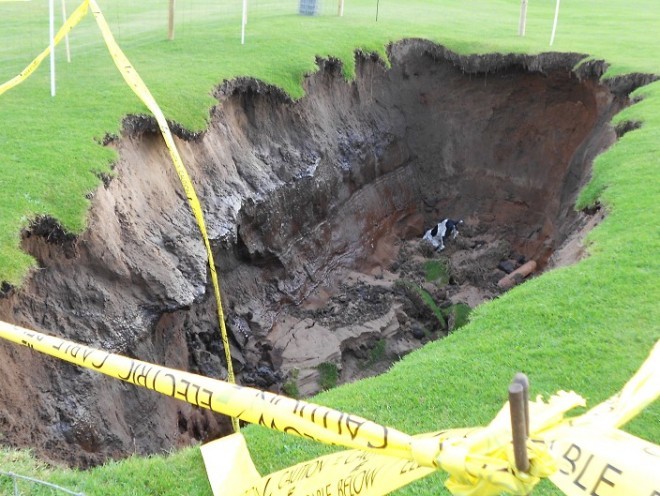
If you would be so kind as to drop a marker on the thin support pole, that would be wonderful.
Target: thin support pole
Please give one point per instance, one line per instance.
(244, 22)
(66, 38)
(377, 8)
(340, 8)
(554, 24)
(522, 24)
(51, 35)
(170, 21)
(518, 426)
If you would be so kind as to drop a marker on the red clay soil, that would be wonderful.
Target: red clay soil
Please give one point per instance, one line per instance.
(315, 209)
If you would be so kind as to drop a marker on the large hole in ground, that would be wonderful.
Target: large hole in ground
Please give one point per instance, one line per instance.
(316, 209)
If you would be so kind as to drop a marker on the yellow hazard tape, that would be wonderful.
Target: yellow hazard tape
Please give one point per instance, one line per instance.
(232, 473)
(484, 458)
(251, 405)
(356, 472)
(593, 459)
(138, 86)
(603, 462)
(639, 392)
(480, 461)
(597, 459)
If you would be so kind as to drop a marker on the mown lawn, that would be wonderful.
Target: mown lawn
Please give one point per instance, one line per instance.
(586, 327)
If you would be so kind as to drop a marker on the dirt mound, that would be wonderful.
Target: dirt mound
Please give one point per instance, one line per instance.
(315, 209)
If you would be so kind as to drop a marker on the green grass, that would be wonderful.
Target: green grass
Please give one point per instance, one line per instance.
(290, 387)
(430, 302)
(377, 353)
(328, 375)
(461, 313)
(586, 327)
(52, 171)
(435, 270)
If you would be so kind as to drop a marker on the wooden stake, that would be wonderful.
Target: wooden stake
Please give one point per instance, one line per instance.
(170, 23)
(340, 8)
(517, 408)
(66, 38)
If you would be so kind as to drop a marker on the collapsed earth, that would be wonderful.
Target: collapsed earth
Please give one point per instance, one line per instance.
(316, 209)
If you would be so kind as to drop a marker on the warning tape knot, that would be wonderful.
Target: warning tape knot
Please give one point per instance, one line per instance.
(482, 461)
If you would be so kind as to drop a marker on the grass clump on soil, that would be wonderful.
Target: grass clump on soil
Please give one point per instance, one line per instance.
(290, 387)
(436, 271)
(423, 303)
(587, 327)
(328, 375)
(458, 315)
(377, 353)
(430, 302)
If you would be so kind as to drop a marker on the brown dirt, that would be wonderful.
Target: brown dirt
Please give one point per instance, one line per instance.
(315, 209)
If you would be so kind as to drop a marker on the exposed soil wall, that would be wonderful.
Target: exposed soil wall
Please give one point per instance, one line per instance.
(314, 208)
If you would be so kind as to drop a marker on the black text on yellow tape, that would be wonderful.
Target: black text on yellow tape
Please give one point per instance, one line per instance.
(347, 473)
(251, 405)
(605, 462)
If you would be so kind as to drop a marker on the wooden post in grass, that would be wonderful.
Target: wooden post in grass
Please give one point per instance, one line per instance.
(519, 424)
(554, 24)
(66, 38)
(340, 8)
(522, 23)
(170, 22)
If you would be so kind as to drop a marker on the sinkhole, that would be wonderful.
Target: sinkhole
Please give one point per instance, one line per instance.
(316, 210)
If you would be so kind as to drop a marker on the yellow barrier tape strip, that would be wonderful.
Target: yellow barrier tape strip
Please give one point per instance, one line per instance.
(70, 23)
(603, 462)
(138, 86)
(595, 458)
(353, 472)
(480, 461)
(229, 464)
(639, 392)
(291, 416)
(251, 405)
(232, 473)
(591, 460)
